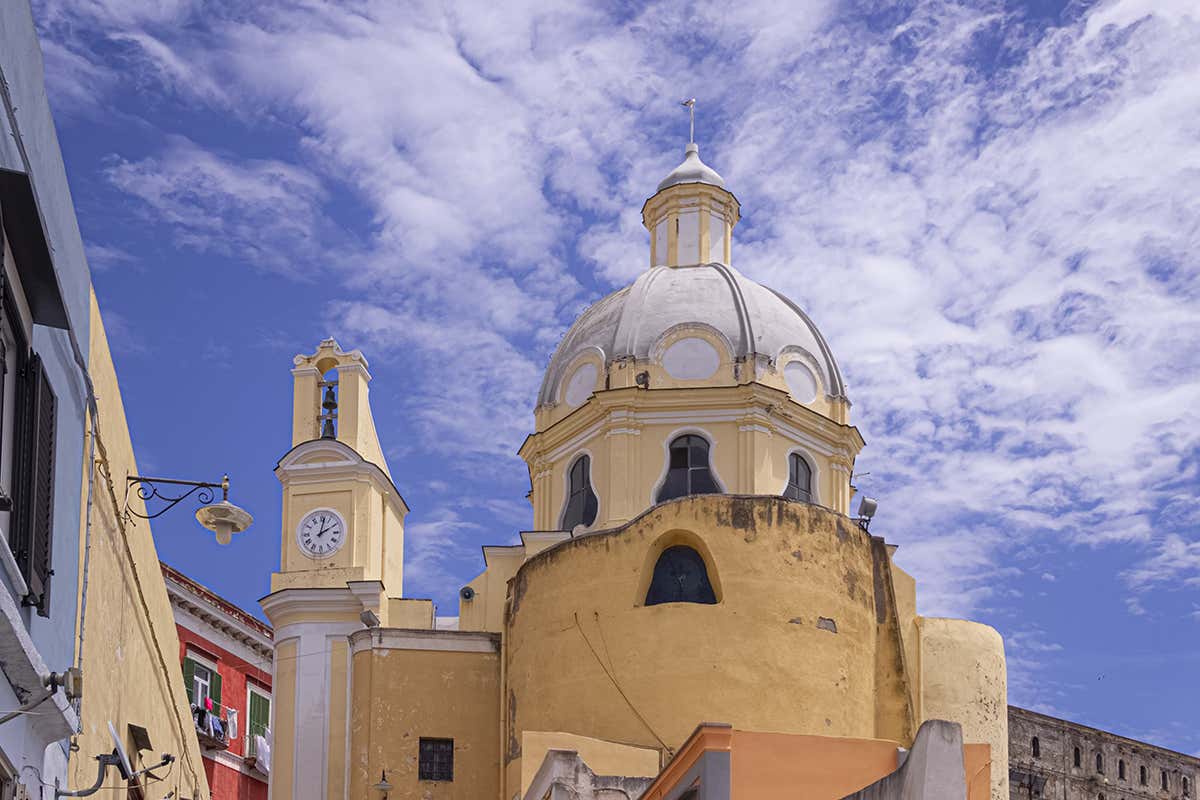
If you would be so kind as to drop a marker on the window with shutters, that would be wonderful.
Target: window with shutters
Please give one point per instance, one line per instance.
(258, 712)
(28, 417)
(688, 469)
(581, 505)
(436, 760)
(202, 682)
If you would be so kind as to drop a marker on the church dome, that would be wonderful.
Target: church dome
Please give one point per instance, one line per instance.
(692, 170)
(750, 320)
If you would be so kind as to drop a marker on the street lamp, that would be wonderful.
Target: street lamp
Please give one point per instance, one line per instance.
(222, 518)
(383, 787)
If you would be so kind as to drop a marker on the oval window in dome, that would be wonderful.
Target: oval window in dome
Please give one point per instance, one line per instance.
(691, 359)
(801, 382)
(581, 385)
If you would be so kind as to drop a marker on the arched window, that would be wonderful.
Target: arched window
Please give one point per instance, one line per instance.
(1099, 763)
(1142, 775)
(1121, 769)
(1164, 780)
(688, 471)
(581, 500)
(1187, 788)
(799, 485)
(1037, 748)
(680, 576)
(1077, 762)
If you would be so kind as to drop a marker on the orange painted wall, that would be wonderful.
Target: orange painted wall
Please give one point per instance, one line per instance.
(781, 764)
(812, 767)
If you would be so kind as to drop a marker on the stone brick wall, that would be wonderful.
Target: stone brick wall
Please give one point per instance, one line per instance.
(1054, 773)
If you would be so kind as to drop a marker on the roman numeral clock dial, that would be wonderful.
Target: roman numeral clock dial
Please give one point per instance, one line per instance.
(321, 533)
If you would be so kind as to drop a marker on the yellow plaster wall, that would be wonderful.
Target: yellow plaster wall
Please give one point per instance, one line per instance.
(602, 757)
(485, 611)
(283, 720)
(130, 651)
(965, 680)
(409, 613)
(757, 659)
(339, 663)
(399, 696)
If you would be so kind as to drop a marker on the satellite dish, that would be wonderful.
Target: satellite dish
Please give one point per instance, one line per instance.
(123, 764)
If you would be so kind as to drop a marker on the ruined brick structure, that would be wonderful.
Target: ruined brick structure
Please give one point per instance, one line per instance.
(1060, 760)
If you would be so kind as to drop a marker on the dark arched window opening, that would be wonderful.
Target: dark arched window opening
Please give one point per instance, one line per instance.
(581, 500)
(1164, 780)
(1077, 762)
(680, 576)
(799, 485)
(1099, 763)
(1187, 788)
(1037, 748)
(1121, 769)
(1142, 775)
(688, 471)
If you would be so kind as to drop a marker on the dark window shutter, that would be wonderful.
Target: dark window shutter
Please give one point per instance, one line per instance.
(35, 498)
(189, 679)
(214, 691)
(259, 713)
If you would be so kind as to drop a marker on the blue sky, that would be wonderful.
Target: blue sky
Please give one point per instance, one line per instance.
(990, 209)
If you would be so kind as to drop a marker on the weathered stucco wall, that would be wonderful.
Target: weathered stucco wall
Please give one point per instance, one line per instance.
(964, 680)
(130, 646)
(766, 657)
(401, 693)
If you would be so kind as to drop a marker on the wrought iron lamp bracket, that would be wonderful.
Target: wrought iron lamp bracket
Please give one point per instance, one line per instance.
(148, 489)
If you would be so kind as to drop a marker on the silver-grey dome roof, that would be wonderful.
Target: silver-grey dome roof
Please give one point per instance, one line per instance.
(753, 319)
(692, 170)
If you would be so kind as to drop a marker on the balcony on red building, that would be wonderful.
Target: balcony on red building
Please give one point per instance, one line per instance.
(225, 653)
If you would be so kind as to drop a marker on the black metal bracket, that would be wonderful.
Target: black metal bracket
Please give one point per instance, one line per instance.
(147, 489)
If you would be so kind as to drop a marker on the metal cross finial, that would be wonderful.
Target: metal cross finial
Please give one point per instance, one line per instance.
(691, 107)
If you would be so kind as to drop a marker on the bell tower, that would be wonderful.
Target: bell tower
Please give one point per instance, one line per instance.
(341, 556)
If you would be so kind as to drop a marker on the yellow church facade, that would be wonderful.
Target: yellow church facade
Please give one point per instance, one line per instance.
(692, 558)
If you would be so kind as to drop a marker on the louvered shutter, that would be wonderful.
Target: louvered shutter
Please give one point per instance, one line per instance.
(34, 525)
(214, 691)
(189, 679)
(259, 713)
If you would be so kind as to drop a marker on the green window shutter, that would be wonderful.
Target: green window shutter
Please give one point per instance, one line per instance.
(189, 679)
(260, 714)
(214, 690)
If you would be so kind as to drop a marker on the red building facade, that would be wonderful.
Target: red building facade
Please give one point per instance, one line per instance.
(226, 657)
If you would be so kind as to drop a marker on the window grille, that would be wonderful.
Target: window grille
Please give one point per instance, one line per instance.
(436, 761)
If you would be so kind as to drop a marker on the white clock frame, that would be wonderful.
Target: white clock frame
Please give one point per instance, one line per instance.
(300, 528)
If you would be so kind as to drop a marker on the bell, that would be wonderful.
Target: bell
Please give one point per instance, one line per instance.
(330, 402)
(327, 431)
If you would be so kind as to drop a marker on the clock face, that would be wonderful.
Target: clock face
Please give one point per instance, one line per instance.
(321, 533)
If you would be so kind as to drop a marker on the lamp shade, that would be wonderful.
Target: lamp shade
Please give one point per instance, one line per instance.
(224, 519)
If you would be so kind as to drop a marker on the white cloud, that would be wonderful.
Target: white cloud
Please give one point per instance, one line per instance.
(264, 211)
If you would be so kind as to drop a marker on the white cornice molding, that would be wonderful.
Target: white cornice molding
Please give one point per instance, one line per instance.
(191, 618)
(432, 640)
(317, 600)
(182, 596)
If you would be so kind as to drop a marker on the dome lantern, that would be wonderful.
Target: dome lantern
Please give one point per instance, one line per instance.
(691, 216)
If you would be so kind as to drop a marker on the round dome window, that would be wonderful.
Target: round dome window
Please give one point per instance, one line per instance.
(801, 382)
(691, 359)
(581, 385)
